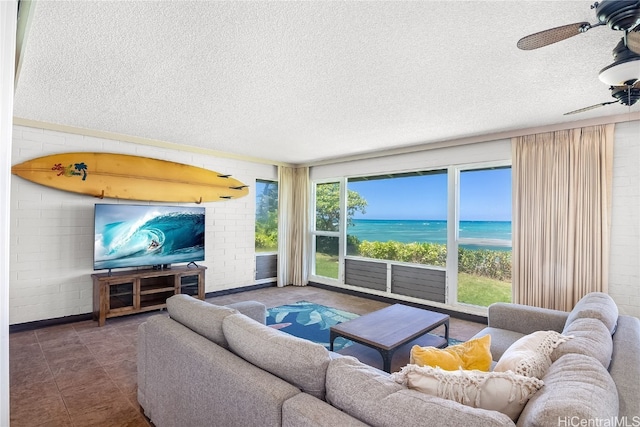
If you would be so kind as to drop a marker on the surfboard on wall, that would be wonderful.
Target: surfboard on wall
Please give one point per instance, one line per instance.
(122, 176)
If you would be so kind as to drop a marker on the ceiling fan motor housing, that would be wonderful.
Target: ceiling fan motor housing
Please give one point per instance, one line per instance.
(627, 95)
(625, 69)
(619, 15)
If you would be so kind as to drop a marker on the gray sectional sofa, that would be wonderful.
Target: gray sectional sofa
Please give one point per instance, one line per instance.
(207, 365)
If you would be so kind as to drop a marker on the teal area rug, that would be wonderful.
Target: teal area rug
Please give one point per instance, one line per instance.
(311, 321)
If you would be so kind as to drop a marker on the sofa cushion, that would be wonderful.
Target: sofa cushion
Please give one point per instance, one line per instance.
(505, 392)
(199, 316)
(588, 336)
(253, 309)
(373, 397)
(596, 305)
(473, 354)
(577, 391)
(308, 411)
(529, 355)
(301, 362)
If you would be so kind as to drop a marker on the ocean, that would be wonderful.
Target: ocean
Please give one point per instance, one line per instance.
(421, 231)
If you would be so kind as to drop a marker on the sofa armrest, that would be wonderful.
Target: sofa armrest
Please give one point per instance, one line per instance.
(253, 309)
(625, 365)
(525, 319)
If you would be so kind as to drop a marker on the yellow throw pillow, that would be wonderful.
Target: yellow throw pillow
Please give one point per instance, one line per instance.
(470, 355)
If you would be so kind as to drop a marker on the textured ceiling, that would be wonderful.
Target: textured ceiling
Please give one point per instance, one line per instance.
(299, 82)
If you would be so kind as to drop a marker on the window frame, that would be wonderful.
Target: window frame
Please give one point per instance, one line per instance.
(262, 253)
(314, 232)
(454, 239)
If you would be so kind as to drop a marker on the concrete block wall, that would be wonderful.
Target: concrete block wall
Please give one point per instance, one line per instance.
(624, 269)
(51, 239)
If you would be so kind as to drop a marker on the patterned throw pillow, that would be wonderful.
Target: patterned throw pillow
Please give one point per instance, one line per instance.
(505, 392)
(473, 354)
(530, 355)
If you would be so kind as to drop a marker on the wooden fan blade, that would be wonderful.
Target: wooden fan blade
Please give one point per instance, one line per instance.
(582, 110)
(633, 42)
(553, 35)
(617, 88)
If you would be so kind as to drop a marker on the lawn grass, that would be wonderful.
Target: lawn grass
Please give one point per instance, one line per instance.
(474, 290)
(326, 265)
(482, 291)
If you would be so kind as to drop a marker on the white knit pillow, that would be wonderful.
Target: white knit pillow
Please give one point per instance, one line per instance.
(530, 355)
(505, 392)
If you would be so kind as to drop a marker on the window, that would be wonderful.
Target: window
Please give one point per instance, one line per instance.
(400, 217)
(484, 236)
(326, 231)
(266, 236)
(439, 235)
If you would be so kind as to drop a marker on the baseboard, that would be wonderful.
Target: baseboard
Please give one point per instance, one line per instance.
(37, 324)
(28, 326)
(456, 314)
(238, 290)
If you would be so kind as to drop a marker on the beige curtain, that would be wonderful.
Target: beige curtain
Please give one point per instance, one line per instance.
(293, 234)
(561, 215)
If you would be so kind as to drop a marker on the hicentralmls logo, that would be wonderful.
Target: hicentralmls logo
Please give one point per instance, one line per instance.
(576, 421)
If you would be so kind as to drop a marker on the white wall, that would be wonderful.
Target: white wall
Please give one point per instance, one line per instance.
(624, 270)
(624, 273)
(51, 239)
(8, 22)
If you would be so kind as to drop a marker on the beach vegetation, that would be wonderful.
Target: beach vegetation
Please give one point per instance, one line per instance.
(479, 262)
(472, 289)
(266, 229)
(419, 253)
(485, 263)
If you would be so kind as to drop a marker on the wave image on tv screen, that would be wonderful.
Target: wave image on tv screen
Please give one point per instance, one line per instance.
(141, 235)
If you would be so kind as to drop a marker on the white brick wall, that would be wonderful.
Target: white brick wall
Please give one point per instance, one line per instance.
(51, 241)
(624, 270)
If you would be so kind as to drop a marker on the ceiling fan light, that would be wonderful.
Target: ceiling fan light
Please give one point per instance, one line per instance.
(621, 72)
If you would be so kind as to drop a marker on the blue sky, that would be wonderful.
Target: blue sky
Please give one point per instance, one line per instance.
(485, 195)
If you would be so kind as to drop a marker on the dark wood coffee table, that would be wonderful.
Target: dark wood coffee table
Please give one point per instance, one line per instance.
(388, 329)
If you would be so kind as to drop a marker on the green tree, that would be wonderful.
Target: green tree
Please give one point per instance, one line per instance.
(328, 214)
(267, 217)
(328, 206)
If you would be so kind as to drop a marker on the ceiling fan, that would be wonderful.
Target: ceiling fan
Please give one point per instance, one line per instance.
(623, 75)
(625, 95)
(618, 15)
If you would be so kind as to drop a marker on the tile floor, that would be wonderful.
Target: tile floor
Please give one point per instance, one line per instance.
(81, 375)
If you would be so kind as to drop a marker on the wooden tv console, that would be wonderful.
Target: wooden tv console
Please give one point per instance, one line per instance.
(135, 291)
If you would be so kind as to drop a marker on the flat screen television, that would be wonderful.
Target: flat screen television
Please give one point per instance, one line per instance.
(147, 235)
